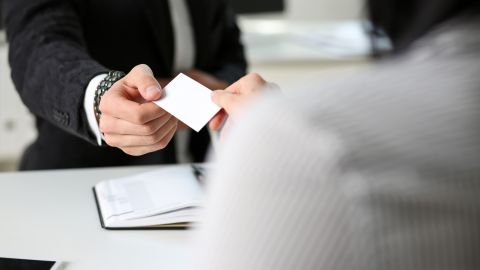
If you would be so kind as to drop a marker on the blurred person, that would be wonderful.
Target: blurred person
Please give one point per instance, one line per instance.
(375, 171)
(64, 54)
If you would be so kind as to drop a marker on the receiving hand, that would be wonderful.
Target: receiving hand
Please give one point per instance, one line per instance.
(233, 98)
(130, 121)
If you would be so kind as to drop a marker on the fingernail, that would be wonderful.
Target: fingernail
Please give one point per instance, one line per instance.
(154, 91)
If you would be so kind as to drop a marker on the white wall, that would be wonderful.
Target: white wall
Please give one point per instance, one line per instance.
(324, 10)
(16, 123)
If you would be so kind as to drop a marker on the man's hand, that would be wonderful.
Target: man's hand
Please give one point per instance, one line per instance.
(233, 98)
(130, 121)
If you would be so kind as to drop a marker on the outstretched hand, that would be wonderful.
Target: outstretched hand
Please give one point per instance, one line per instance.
(234, 97)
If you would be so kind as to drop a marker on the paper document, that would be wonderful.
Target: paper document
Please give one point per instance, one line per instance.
(189, 101)
(150, 193)
(167, 197)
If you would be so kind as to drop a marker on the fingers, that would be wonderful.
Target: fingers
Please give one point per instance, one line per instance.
(234, 97)
(227, 100)
(141, 78)
(129, 120)
(142, 150)
(247, 85)
(147, 142)
(238, 93)
(116, 126)
(116, 104)
(217, 121)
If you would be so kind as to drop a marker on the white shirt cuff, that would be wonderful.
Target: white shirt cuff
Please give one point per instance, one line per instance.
(88, 106)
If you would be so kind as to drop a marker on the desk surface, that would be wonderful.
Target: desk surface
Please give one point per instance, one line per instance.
(52, 215)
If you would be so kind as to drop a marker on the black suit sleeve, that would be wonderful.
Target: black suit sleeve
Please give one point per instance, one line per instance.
(51, 67)
(231, 57)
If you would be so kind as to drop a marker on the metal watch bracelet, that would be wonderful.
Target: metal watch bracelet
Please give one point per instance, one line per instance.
(103, 87)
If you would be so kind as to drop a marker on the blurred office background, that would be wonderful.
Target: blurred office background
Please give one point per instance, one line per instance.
(285, 40)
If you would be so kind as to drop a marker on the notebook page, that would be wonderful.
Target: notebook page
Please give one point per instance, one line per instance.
(159, 191)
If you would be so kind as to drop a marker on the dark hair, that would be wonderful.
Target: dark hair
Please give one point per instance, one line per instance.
(404, 21)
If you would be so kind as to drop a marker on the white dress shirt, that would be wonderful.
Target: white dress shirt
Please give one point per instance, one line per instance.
(184, 56)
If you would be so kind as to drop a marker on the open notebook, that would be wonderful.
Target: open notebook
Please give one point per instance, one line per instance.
(169, 197)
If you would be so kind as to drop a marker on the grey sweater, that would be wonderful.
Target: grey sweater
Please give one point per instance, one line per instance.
(378, 171)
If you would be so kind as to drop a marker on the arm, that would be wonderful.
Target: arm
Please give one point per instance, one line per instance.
(51, 67)
(275, 200)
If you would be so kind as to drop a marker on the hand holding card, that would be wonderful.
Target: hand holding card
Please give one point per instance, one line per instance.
(129, 120)
(189, 101)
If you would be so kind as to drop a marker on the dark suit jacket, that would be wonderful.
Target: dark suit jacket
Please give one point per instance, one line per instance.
(58, 46)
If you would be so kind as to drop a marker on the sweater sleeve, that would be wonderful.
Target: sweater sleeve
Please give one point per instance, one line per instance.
(273, 199)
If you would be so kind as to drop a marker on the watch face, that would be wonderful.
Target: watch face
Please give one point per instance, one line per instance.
(19, 264)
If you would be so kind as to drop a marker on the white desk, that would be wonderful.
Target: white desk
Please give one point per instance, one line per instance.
(52, 215)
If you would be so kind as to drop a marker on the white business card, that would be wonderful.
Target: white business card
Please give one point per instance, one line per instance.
(189, 101)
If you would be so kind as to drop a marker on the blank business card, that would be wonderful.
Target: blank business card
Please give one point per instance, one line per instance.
(189, 101)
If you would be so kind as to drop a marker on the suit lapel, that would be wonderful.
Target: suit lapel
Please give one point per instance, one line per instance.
(158, 15)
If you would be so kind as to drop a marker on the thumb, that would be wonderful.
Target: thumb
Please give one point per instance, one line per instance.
(141, 77)
(226, 100)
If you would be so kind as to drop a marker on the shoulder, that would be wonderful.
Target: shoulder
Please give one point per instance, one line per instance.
(424, 111)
